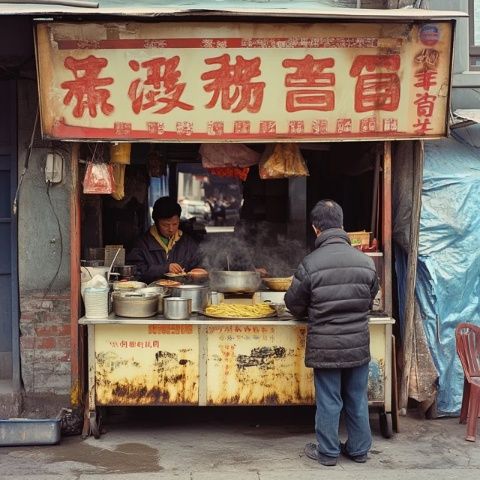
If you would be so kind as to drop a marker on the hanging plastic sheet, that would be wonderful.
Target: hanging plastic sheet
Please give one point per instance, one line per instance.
(448, 278)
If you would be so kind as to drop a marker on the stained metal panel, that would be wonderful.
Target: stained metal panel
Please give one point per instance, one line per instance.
(146, 364)
(257, 365)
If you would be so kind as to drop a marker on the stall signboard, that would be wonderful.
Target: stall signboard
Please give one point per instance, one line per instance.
(244, 82)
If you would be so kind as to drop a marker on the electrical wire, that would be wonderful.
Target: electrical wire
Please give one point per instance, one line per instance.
(25, 165)
(50, 285)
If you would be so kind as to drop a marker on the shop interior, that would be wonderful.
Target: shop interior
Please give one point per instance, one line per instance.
(269, 217)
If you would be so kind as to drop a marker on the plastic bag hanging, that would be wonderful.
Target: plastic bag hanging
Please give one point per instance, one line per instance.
(98, 179)
(218, 155)
(283, 160)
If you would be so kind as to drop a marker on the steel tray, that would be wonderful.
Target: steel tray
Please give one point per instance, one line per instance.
(25, 431)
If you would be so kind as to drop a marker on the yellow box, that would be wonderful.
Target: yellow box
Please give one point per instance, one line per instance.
(360, 238)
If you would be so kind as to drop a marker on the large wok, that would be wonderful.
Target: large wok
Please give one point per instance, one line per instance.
(234, 281)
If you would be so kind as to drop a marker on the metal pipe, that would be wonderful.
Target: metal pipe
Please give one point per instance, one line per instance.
(66, 3)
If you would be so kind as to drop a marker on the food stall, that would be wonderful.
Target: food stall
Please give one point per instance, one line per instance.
(181, 85)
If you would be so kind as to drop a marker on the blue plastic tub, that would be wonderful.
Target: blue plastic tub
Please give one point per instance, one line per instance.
(25, 431)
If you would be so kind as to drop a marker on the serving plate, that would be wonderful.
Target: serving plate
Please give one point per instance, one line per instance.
(224, 317)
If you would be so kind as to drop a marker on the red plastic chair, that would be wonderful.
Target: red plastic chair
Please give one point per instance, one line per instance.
(468, 348)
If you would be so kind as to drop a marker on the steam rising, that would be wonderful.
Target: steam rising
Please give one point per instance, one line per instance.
(253, 247)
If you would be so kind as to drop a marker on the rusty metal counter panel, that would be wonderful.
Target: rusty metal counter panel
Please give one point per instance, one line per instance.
(257, 365)
(146, 364)
(226, 363)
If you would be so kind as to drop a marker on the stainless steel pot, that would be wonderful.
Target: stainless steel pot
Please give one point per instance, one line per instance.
(135, 305)
(125, 270)
(234, 281)
(160, 291)
(177, 308)
(197, 293)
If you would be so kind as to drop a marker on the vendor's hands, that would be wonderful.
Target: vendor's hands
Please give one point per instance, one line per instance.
(262, 271)
(175, 268)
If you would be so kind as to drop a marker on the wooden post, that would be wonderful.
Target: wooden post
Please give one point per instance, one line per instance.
(409, 320)
(387, 226)
(75, 393)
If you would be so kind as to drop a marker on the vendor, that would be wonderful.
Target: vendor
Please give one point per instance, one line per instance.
(164, 248)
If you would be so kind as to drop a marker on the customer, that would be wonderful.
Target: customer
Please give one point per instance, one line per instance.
(164, 248)
(334, 287)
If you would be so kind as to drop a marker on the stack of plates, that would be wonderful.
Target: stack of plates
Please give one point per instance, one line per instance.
(96, 302)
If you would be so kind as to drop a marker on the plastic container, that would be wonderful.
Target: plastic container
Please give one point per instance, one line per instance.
(96, 302)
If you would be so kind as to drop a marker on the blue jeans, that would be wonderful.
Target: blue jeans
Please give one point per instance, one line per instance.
(337, 388)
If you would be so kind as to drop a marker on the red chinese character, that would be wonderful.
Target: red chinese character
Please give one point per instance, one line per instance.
(310, 74)
(376, 91)
(122, 128)
(241, 126)
(368, 125)
(426, 79)
(296, 126)
(320, 126)
(162, 76)
(85, 87)
(344, 125)
(390, 125)
(157, 128)
(215, 128)
(422, 126)
(268, 126)
(233, 84)
(428, 57)
(425, 104)
(184, 128)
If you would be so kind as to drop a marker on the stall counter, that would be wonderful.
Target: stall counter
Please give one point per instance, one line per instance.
(206, 362)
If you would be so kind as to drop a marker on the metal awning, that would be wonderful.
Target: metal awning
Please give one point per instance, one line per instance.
(465, 118)
(278, 8)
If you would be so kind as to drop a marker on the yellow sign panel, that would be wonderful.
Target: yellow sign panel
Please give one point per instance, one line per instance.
(257, 365)
(146, 364)
(244, 82)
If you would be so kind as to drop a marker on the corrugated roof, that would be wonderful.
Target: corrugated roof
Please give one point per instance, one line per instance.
(275, 8)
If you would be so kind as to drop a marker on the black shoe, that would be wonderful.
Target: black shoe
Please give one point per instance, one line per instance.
(312, 452)
(356, 458)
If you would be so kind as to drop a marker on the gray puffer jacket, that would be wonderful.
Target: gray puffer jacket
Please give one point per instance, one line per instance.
(334, 287)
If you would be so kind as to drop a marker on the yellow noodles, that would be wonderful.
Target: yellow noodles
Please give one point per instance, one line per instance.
(232, 310)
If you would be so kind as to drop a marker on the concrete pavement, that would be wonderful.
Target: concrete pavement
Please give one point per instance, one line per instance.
(240, 444)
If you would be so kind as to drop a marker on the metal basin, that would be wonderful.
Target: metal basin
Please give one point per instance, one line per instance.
(134, 305)
(197, 293)
(234, 281)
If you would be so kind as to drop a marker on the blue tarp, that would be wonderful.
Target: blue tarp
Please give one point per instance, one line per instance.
(448, 276)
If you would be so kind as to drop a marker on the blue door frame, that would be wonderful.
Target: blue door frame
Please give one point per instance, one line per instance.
(9, 309)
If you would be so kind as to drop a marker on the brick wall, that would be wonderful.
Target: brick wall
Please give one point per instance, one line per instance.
(45, 342)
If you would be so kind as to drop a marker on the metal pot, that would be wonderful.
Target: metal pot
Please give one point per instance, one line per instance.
(197, 293)
(125, 270)
(234, 281)
(161, 292)
(177, 308)
(134, 305)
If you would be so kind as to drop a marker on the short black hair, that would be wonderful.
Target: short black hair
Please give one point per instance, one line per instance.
(327, 214)
(165, 207)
